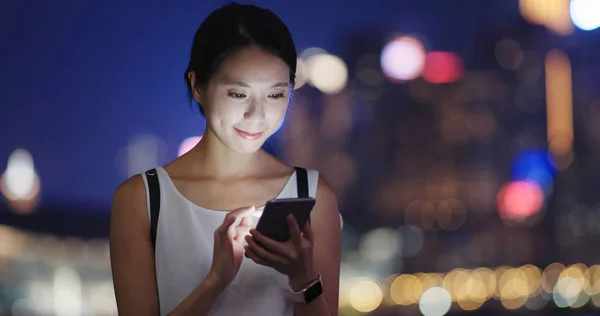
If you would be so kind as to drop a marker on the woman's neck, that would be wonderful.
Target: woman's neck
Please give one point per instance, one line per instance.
(215, 160)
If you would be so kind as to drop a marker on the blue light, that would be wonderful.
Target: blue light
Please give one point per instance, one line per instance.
(535, 165)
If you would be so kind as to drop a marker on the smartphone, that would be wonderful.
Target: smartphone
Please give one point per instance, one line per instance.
(273, 222)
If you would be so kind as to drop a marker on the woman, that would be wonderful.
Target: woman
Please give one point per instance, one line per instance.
(204, 259)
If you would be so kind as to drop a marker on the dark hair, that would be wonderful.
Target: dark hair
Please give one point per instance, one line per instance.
(231, 28)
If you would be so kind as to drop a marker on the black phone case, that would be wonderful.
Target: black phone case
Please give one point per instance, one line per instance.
(273, 223)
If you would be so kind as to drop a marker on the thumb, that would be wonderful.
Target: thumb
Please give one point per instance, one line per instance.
(233, 217)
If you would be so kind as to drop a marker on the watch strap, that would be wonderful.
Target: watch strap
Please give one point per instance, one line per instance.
(309, 293)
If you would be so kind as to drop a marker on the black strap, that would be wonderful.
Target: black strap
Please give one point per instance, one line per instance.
(302, 182)
(154, 191)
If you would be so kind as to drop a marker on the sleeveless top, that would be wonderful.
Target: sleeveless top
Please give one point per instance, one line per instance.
(184, 251)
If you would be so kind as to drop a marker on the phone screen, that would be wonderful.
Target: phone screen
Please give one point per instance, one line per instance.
(273, 222)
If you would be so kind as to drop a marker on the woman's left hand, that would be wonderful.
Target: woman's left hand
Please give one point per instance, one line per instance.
(293, 258)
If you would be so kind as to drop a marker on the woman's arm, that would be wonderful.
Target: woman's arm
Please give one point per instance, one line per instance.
(325, 223)
(132, 259)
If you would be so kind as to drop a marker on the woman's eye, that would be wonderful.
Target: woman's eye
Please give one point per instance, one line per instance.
(236, 95)
(276, 95)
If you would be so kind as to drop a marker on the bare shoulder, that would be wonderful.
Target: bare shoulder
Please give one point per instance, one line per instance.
(131, 253)
(326, 195)
(130, 198)
(326, 213)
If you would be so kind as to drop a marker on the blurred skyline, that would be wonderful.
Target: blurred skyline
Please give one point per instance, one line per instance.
(68, 67)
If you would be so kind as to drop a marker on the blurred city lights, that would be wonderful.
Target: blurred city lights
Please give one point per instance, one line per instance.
(142, 152)
(327, 72)
(187, 145)
(71, 290)
(403, 59)
(311, 51)
(365, 295)
(585, 14)
(509, 54)
(559, 107)
(301, 74)
(412, 240)
(443, 67)
(381, 244)
(406, 289)
(518, 200)
(435, 301)
(535, 165)
(553, 14)
(67, 292)
(516, 287)
(19, 182)
(449, 214)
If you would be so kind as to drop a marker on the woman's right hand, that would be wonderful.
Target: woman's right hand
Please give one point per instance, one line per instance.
(228, 250)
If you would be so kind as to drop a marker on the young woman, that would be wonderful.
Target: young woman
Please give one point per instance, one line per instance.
(202, 255)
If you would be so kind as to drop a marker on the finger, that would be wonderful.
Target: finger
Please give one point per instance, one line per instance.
(265, 255)
(241, 232)
(273, 246)
(252, 256)
(246, 221)
(308, 232)
(295, 233)
(231, 230)
(232, 217)
(228, 221)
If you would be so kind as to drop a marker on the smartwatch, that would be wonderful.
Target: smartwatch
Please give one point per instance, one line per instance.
(309, 293)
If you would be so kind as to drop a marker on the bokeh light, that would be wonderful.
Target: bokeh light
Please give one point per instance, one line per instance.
(435, 301)
(535, 165)
(312, 51)
(553, 14)
(67, 292)
(403, 59)
(443, 67)
(301, 74)
(382, 244)
(559, 107)
(187, 145)
(406, 289)
(327, 72)
(20, 183)
(509, 54)
(365, 295)
(142, 152)
(518, 200)
(585, 14)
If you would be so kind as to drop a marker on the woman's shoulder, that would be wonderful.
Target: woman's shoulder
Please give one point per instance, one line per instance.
(133, 186)
(129, 203)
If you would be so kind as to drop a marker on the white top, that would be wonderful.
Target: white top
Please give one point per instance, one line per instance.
(184, 249)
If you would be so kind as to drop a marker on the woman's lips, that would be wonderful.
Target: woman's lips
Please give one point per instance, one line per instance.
(250, 136)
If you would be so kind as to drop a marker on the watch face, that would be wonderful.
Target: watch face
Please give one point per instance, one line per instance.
(313, 292)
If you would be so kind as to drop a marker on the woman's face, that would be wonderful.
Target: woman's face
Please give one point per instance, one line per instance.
(246, 100)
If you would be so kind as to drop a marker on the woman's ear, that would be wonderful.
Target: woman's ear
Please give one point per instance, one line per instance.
(196, 92)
